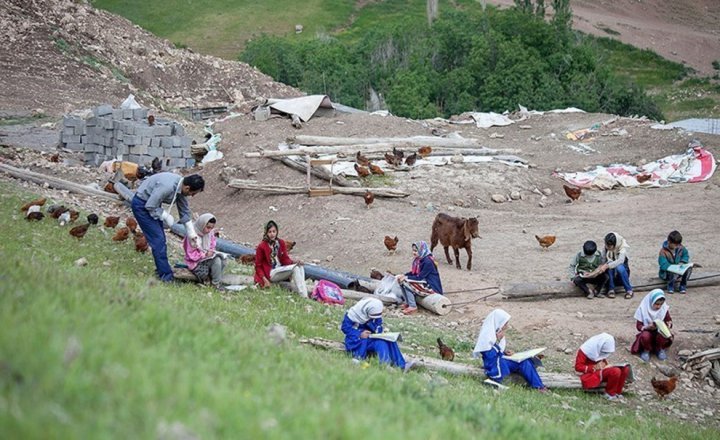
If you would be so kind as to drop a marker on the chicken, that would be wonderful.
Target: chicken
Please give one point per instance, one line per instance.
(391, 160)
(410, 160)
(398, 154)
(376, 170)
(361, 160)
(34, 216)
(151, 120)
(38, 202)
(546, 241)
(111, 222)
(93, 219)
(642, 178)
(446, 353)
(55, 158)
(109, 187)
(369, 198)
(248, 259)
(74, 215)
(573, 193)
(376, 274)
(58, 211)
(362, 171)
(122, 234)
(664, 387)
(391, 243)
(156, 165)
(424, 151)
(289, 245)
(79, 231)
(141, 244)
(132, 224)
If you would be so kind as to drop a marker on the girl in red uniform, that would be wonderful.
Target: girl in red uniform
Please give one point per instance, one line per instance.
(591, 363)
(652, 308)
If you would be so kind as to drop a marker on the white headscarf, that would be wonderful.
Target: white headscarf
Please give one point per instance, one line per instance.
(199, 226)
(620, 246)
(493, 322)
(645, 312)
(599, 347)
(365, 310)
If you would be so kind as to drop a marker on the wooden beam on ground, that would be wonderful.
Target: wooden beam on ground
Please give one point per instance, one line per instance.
(404, 142)
(56, 182)
(560, 289)
(551, 380)
(371, 149)
(283, 189)
(318, 172)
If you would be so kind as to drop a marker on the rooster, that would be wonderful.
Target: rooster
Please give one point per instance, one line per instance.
(361, 160)
(55, 158)
(664, 387)
(573, 193)
(391, 243)
(111, 222)
(122, 234)
(642, 178)
(248, 259)
(132, 224)
(79, 231)
(446, 353)
(546, 241)
(424, 151)
(38, 202)
(369, 198)
(376, 170)
(410, 160)
(141, 244)
(362, 171)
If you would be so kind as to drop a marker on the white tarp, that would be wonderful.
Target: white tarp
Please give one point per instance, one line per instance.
(711, 126)
(304, 106)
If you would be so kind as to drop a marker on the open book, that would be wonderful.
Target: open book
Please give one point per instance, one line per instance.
(388, 336)
(592, 274)
(527, 354)
(680, 269)
(631, 375)
(662, 328)
(494, 384)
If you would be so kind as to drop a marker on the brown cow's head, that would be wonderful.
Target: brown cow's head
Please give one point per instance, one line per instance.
(470, 228)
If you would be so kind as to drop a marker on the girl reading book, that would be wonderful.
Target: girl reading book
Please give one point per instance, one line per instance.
(591, 362)
(424, 269)
(652, 320)
(491, 346)
(360, 322)
(200, 255)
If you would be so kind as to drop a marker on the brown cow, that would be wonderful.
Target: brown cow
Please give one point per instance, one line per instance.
(455, 232)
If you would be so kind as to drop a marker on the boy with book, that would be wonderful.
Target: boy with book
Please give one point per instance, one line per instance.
(674, 258)
(653, 323)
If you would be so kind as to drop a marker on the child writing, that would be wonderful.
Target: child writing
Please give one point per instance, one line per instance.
(673, 252)
(200, 255)
(584, 270)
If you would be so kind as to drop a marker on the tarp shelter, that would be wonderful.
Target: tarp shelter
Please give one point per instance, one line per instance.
(305, 106)
(711, 126)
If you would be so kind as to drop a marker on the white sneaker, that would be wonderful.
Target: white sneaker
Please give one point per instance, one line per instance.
(609, 397)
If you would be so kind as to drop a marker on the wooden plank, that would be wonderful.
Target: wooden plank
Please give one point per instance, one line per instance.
(319, 172)
(283, 189)
(56, 183)
(374, 148)
(404, 142)
(316, 192)
(712, 354)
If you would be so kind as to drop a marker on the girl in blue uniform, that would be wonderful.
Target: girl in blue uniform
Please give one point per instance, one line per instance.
(424, 268)
(360, 321)
(491, 346)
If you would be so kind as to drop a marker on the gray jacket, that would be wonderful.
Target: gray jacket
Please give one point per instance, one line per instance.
(161, 188)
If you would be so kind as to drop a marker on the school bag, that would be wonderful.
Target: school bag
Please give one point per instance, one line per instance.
(327, 292)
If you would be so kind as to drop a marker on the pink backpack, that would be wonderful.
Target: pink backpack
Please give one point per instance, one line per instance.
(327, 292)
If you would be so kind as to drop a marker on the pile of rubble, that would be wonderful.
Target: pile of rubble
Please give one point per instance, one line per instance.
(703, 365)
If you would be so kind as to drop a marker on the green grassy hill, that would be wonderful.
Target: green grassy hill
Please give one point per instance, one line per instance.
(104, 351)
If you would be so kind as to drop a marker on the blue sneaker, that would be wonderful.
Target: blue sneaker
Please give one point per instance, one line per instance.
(662, 355)
(645, 356)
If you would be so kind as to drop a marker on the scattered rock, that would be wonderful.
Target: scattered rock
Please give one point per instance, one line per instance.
(81, 262)
(458, 158)
(525, 127)
(547, 191)
(541, 204)
(277, 333)
(580, 314)
(459, 202)
(497, 136)
(685, 353)
(497, 198)
(537, 191)
(567, 351)
(413, 203)
(515, 195)
(107, 263)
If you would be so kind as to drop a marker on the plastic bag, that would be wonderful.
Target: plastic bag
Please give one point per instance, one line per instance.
(390, 288)
(130, 103)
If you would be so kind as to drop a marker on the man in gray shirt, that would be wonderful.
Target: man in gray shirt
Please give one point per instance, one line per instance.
(147, 207)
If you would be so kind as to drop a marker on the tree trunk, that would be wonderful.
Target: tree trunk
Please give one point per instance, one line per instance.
(282, 189)
(406, 142)
(382, 147)
(56, 183)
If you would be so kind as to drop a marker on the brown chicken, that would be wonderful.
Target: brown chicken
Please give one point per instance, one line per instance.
(546, 241)
(55, 158)
(361, 160)
(74, 215)
(642, 178)
(399, 154)
(248, 259)
(79, 231)
(289, 245)
(446, 353)
(58, 211)
(141, 244)
(122, 234)
(131, 223)
(38, 202)
(369, 198)
(664, 387)
(391, 160)
(376, 170)
(111, 222)
(35, 216)
(362, 171)
(391, 243)
(410, 160)
(109, 187)
(573, 193)
(376, 274)
(424, 151)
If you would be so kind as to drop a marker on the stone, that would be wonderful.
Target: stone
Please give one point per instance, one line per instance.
(458, 158)
(515, 195)
(541, 204)
(497, 198)
(329, 258)
(81, 262)
(685, 353)
(547, 191)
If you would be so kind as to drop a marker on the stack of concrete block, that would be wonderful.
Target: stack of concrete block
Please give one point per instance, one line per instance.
(126, 134)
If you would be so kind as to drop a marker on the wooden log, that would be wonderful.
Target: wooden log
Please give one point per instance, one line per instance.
(551, 380)
(283, 189)
(357, 296)
(560, 289)
(404, 142)
(438, 304)
(56, 183)
(712, 354)
(318, 172)
(372, 148)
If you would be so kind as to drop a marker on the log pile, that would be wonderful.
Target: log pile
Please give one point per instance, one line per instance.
(703, 364)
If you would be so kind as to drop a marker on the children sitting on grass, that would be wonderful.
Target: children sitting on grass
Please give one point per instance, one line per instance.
(673, 252)
(200, 255)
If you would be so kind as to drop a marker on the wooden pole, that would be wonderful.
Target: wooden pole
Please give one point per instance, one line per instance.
(475, 150)
(319, 172)
(282, 189)
(405, 142)
(56, 183)
(551, 380)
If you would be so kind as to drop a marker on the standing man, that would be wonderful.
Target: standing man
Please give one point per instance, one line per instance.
(147, 207)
